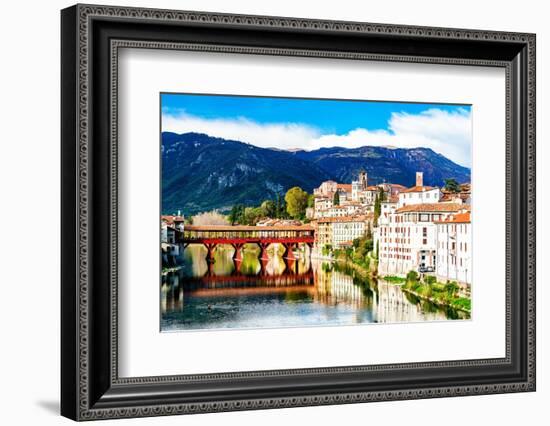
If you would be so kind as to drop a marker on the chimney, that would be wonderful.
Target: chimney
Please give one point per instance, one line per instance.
(419, 179)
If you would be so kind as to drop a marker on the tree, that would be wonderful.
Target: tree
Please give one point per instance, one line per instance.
(280, 208)
(381, 194)
(377, 210)
(269, 208)
(451, 185)
(310, 200)
(210, 218)
(252, 215)
(336, 199)
(296, 202)
(236, 215)
(380, 197)
(368, 234)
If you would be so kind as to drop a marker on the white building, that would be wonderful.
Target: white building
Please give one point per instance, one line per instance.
(454, 248)
(407, 238)
(321, 204)
(419, 194)
(346, 229)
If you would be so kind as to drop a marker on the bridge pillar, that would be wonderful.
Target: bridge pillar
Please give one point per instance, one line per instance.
(290, 264)
(263, 250)
(237, 255)
(210, 252)
(289, 253)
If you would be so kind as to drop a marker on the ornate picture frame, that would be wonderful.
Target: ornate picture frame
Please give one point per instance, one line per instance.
(91, 37)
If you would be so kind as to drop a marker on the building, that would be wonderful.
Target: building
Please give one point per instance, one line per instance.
(174, 221)
(407, 237)
(419, 194)
(344, 192)
(321, 203)
(348, 228)
(323, 234)
(454, 248)
(463, 197)
(392, 189)
(170, 227)
(358, 186)
(326, 189)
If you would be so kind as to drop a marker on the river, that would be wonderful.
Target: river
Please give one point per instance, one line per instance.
(277, 293)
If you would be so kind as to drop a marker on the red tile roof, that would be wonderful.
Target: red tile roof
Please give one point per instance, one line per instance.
(361, 218)
(432, 207)
(457, 218)
(170, 219)
(344, 186)
(418, 189)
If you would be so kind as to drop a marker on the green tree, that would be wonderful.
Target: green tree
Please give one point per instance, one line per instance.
(269, 208)
(252, 215)
(296, 202)
(380, 197)
(280, 208)
(236, 215)
(377, 209)
(310, 200)
(451, 185)
(368, 234)
(381, 194)
(336, 199)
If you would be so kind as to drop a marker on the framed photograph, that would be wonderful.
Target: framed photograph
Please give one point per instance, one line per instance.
(263, 212)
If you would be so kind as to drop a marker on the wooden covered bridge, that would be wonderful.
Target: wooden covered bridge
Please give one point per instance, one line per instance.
(237, 236)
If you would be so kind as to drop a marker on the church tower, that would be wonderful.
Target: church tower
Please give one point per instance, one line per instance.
(363, 180)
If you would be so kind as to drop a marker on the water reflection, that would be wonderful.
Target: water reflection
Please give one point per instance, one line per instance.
(277, 292)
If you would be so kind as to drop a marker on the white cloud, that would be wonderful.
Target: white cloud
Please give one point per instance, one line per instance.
(448, 133)
(272, 135)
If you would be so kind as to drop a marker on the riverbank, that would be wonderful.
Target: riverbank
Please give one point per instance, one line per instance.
(446, 295)
(443, 295)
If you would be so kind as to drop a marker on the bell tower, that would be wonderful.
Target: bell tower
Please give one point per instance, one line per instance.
(419, 179)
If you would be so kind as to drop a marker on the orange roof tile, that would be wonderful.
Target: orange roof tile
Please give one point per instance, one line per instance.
(361, 218)
(418, 189)
(432, 207)
(344, 186)
(457, 218)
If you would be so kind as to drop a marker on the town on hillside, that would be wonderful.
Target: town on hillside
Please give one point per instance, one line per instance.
(386, 227)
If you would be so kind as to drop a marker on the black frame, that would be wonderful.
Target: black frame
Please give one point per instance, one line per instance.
(90, 38)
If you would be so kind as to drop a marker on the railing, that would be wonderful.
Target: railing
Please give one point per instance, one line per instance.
(247, 233)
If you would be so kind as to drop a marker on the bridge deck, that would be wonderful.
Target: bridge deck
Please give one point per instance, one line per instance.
(246, 228)
(220, 234)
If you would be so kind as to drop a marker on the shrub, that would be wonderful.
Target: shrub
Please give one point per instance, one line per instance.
(429, 279)
(412, 276)
(451, 288)
(462, 303)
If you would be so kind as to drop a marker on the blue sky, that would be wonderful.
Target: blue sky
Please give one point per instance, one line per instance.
(289, 123)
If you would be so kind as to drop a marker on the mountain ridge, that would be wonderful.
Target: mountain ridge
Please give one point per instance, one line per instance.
(201, 172)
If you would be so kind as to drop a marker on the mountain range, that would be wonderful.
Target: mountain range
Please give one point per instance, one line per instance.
(201, 172)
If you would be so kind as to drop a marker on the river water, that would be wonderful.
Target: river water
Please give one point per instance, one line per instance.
(280, 293)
